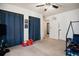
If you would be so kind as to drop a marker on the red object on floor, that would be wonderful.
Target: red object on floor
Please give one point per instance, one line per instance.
(23, 44)
(29, 42)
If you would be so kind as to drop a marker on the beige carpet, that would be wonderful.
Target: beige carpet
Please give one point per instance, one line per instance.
(46, 47)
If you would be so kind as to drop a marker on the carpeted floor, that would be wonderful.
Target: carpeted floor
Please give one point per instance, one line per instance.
(45, 47)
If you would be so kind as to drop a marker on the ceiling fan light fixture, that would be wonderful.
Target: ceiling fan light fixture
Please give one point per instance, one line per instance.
(45, 9)
(48, 6)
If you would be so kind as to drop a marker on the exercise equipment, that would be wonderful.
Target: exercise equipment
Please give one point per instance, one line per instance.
(72, 44)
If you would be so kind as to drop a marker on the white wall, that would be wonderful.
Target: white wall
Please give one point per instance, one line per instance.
(26, 13)
(63, 19)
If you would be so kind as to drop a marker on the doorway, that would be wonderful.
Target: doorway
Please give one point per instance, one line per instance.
(47, 29)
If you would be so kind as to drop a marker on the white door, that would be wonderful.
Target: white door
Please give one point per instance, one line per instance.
(54, 29)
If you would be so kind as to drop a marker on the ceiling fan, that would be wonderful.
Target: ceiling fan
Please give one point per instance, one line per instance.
(56, 6)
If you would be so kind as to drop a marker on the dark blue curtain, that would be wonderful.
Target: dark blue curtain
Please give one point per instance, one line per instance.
(34, 28)
(2, 17)
(14, 22)
(18, 28)
(2, 21)
(10, 28)
(31, 28)
(37, 28)
(21, 28)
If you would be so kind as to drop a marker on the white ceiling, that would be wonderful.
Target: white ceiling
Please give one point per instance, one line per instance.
(51, 11)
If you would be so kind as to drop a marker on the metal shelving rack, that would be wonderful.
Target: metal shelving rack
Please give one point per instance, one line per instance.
(67, 39)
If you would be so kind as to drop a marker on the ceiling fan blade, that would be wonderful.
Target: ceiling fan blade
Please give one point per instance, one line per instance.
(55, 6)
(40, 5)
